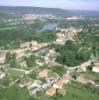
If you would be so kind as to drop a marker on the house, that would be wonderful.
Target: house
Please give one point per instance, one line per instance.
(34, 87)
(80, 69)
(2, 57)
(19, 53)
(34, 91)
(96, 63)
(44, 86)
(52, 54)
(35, 45)
(72, 18)
(43, 73)
(2, 74)
(25, 45)
(60, 38)
(58, 84)
(23, 63)
(24, 82)
(60, 35)
(83, 66)
(67, 78)
(95, 66)
(34, 84)
(95, 69)
(51, 91)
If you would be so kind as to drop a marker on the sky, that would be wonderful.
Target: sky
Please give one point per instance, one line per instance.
(64, 4)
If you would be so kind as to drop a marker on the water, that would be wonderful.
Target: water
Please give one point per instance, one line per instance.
(48, 27)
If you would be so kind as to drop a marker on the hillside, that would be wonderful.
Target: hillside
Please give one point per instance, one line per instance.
(39, 10)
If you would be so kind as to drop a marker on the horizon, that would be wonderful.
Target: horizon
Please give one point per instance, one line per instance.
(85, 5)
(49, 8)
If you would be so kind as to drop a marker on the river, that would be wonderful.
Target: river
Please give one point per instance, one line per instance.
(48, 27)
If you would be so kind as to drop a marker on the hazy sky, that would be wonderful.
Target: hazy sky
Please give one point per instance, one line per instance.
(65, 4)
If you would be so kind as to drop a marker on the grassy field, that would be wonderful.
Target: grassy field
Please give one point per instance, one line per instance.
(92, 76)
(79, 92)
(13, 93)
(14, 74)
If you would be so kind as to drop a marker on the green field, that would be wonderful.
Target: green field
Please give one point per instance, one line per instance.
(14, 74)
(13, 93)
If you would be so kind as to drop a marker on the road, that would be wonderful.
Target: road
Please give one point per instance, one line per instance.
(25, 73)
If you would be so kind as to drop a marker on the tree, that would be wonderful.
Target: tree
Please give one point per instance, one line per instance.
(31, 61)
(8, 57)
(13, 61)
(89, 68)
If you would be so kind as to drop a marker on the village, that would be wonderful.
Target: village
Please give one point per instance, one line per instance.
(41, 76)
